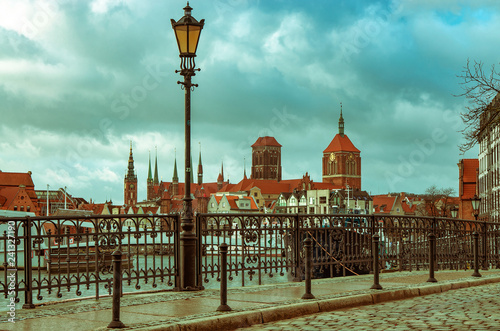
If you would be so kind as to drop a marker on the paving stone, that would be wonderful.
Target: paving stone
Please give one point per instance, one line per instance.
(451, 310)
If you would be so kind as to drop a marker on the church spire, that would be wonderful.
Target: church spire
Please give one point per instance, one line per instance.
(130, 182)
(200, 169)
(175, 178)
(131, 172)
(244, 168)
(150, 188)
(341, 122)
(150, 176)
(156, 167)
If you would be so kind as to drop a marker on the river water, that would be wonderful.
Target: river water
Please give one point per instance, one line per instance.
(150, 263)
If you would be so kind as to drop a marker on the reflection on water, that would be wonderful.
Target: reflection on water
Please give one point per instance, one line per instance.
(151, 283)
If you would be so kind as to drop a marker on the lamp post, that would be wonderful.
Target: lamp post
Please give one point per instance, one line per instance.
(454, 212)
(187, 33)
(475, 205)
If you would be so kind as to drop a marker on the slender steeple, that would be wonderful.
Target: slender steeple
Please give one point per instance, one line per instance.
(131, 172)
(341, 122)
(244, 168)
(150, 177)
(174, 188)
(220, 178)
(150, 189)
(175, 177)
(156, 167)
(130, 182)
(200, 170)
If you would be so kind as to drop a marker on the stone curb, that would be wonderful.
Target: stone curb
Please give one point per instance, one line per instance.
(231, 321)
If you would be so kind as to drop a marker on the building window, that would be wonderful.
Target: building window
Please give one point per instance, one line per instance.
(15, 208)
(311, 210)
(223, 205)
(322, 199)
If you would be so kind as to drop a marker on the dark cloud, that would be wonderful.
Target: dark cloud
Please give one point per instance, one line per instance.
(82, 79)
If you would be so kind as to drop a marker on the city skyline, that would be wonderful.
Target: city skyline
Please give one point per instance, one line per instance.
(83, 79)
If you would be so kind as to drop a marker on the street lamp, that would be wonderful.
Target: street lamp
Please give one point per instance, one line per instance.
(454, 212)
(187, 33)
(475, 205)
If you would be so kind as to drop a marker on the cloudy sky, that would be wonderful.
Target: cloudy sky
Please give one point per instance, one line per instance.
(79, 80)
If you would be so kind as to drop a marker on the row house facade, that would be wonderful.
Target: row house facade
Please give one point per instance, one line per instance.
(325, 201)
(291, 203)
(489, 162)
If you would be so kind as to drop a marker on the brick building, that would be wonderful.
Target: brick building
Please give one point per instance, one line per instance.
(17, 192)
(467, 187)
(266, 159)
(342, 161)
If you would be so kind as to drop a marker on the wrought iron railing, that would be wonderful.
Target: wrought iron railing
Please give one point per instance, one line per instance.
(53, 255)
(48, 257)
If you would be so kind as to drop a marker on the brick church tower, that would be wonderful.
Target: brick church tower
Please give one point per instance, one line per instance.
(266, 159)
(342, 160)
(130, 182)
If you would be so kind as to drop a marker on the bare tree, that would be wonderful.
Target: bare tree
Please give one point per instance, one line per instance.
(480, 88)
(437, 202)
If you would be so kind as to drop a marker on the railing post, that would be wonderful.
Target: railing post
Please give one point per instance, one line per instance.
(296, 246)
(199, 248)
(177, 252)
(476, 273)
(28, 271)
(376, 268)
(223, 278)
(485, 245)
(432, 256)
(117, 290)
(308, 268)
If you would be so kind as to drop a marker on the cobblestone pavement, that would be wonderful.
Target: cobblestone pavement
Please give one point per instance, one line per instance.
(473, 308)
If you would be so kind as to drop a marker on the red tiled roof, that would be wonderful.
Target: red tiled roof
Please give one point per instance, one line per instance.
(16, 179)
(96, 208)
(232, 201)
(406, 207)
(327, 186)
(341, 144)
(266, 186)
(7, 195)
(266, 141)
(383, 201)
